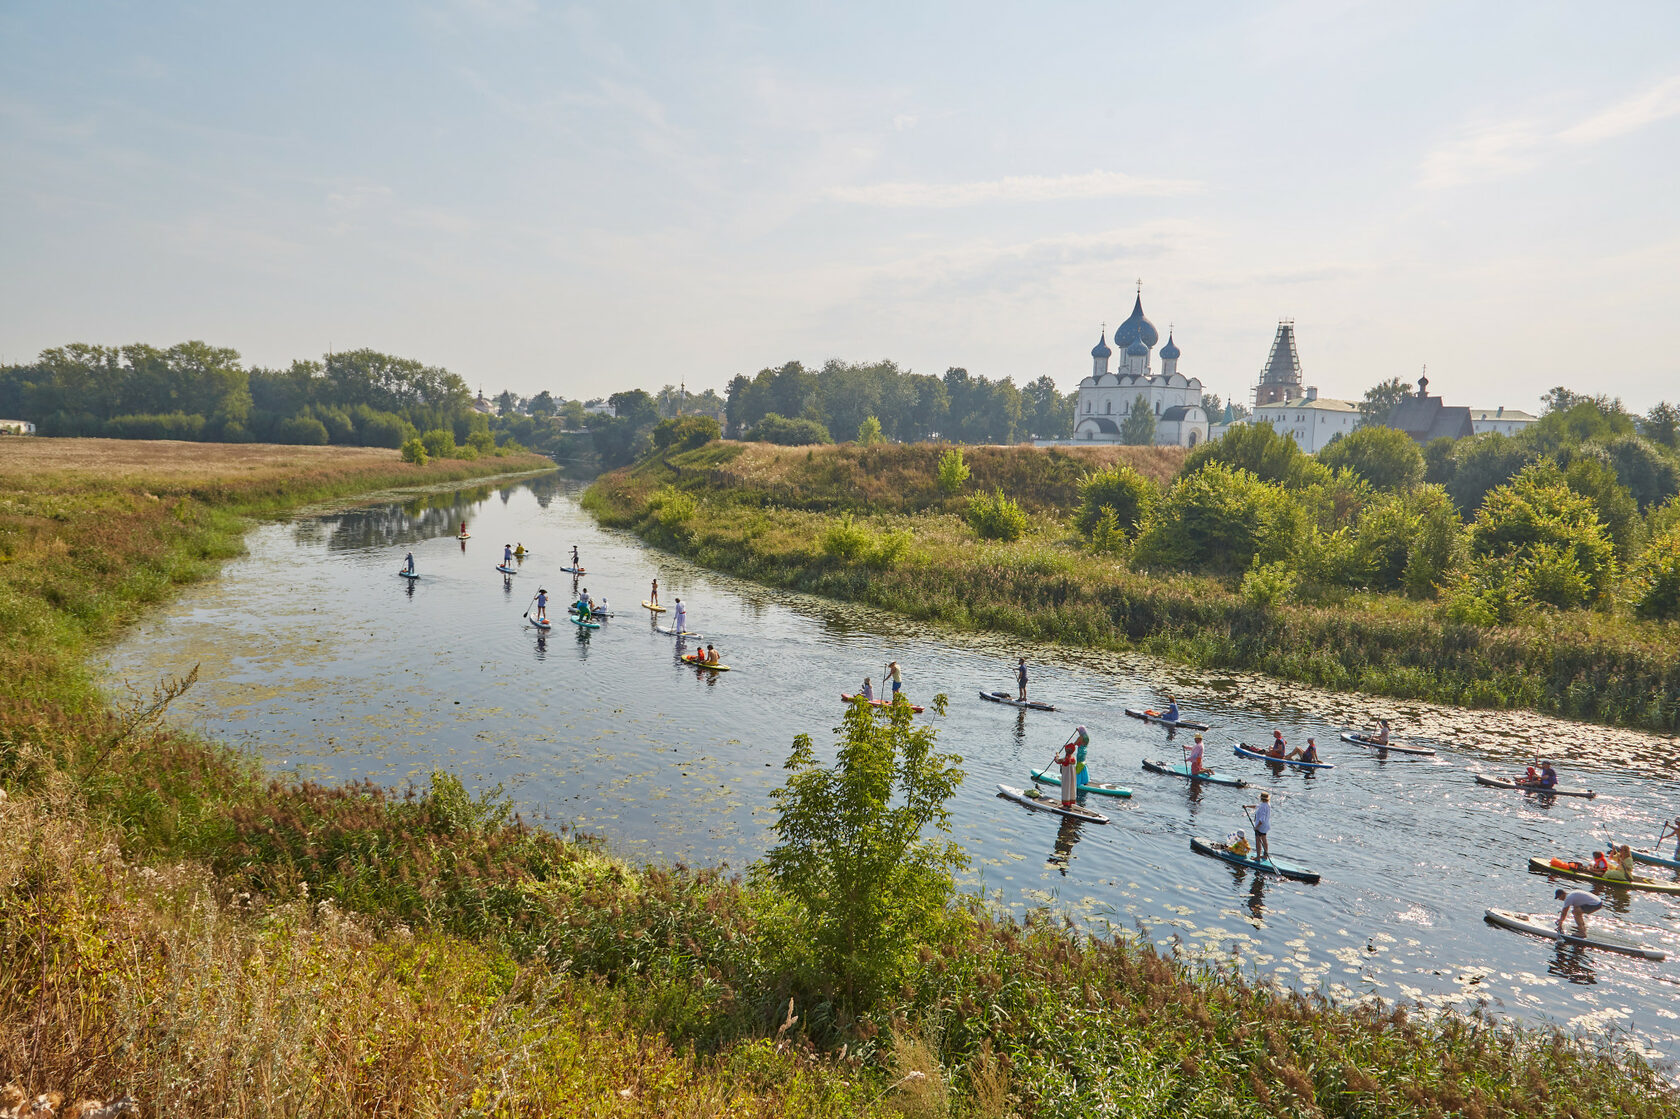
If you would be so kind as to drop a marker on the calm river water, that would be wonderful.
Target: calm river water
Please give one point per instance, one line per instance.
(317, 657)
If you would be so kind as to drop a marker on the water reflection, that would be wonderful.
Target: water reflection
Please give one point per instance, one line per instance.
(1066, 836)
(1572, 963)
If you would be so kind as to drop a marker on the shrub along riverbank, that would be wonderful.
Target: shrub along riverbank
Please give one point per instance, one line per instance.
(874, 526)
(175, 926)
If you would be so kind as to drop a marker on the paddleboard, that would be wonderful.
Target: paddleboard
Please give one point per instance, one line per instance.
(573, 570)
(1508, 783)
(1655, 860)
(1545, 925)
(651, 606)
(595, 613)
(1005, 697)
(1044, 777)
(844, 698)
(1246, 751)
(1544, 866)
(409, 574)
(693, 659)
(1036, 801)
(577, 621)
(464, 536)
(1152, 717)
(1265, 866)
(669, 632)
(1393, 748)
(1184, 771)
(506, 570)
(541, 623)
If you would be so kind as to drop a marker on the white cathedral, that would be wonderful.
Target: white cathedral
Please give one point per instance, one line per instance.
(1106, 399)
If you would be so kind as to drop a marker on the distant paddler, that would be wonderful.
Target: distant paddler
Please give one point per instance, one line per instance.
(1195, 759)
(894, 675)
(408, 564)
(575, 562)
(520, 550)
(542, 604)
(867, 691)
(1021, 678)
(1171, 714)
(507, 555)
(679, 620)
(1674, 830)
(653, 595)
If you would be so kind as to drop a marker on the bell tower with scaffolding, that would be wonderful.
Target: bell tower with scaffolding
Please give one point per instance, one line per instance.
(1281, 379)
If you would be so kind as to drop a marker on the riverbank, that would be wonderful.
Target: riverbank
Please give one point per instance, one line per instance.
(173, 918)
(810, 520)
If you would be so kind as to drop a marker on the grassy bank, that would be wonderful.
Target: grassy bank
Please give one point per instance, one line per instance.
(780, 517)
(176, 926)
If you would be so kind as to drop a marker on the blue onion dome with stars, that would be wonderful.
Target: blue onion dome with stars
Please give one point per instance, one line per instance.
(1170, 350)
(1101, 348)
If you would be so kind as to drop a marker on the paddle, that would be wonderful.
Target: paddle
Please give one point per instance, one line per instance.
(528, 606)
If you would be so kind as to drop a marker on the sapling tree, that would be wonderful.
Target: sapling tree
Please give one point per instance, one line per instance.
(863, 850)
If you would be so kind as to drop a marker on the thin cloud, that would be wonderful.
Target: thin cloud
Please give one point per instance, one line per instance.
(1512, 147)
(1017, 188)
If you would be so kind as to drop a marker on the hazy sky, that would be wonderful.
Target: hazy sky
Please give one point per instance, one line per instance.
(594, 197)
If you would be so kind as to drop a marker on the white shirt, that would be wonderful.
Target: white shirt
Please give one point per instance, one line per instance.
(1263, 816)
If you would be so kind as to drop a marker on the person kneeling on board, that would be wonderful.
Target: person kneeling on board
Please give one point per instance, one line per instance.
(1582, 902)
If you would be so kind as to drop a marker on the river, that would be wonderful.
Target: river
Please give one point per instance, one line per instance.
(319, 659)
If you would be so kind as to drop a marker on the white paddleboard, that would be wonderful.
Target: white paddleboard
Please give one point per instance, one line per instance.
(1545, 925)
(1044, 804)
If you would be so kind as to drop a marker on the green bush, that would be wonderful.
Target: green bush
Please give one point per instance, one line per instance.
(1386, 457)
(301, 430)
(1262, 451)
(1653, 583)
(1591, 475)
(996, 517)
(789, 433)
(953, 471)
(846, 539)
(869, 432)
(684, 433)
(413, 450)
(1411, 541)
(1555, 547)
(168, 425)
(867, 884)
(1119, 490)
(672, 507)
(1481, 463)
(1268, 584)
(1649, 472)
(1220, 519)
(482, 442)
(440, 442)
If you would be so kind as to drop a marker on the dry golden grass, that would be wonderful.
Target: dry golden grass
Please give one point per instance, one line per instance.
(120, 460)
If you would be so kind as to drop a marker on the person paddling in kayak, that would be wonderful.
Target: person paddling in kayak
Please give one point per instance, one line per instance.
(1582, 902)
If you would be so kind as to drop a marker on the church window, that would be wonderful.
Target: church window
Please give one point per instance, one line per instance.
(1108, 407)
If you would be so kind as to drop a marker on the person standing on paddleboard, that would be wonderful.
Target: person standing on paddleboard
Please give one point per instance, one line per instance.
(679, 620)
(1069, 763)
(1196, 765)
(1664, 835)
(1021, 678)
(1262, 826)
(542, 605)
(575, 562)
(507, 555)
(410, 564)
(653, 595)
(1582, 902)
(895, 675)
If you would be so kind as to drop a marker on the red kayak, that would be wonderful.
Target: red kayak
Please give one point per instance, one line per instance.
(878, 702)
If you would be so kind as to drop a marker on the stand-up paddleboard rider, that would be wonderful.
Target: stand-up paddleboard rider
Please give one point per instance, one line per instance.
(463, 528)
(575, 562)
(679, 619)
(1262, 826)
(507, 555)
(653, 596)
(1021, 678)
(542, 605)
(1071, 763)
(895, 675)
(1196, 765)
(1676, 831)
(409, 564)
(1582, 902)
